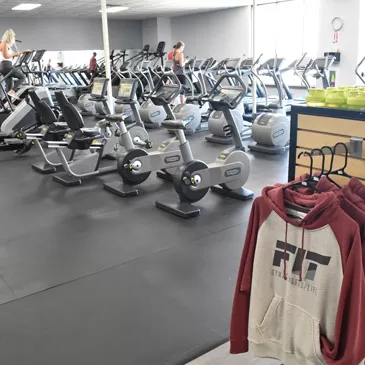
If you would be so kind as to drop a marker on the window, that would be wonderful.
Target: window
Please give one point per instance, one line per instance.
(288, 29)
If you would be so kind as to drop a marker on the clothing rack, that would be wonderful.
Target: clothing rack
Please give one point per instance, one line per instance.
(313, 128)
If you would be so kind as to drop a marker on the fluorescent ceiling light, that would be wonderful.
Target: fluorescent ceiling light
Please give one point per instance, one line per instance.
(115, 9)
(26, 6)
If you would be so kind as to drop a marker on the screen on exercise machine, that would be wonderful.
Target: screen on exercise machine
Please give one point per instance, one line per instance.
(99, 87)
(228, 95)
(232, 63)
(248, 62)
(167, 92)
(125, 90)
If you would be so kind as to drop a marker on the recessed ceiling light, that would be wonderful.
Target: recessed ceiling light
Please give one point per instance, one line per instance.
(115, 9)
(26, 6)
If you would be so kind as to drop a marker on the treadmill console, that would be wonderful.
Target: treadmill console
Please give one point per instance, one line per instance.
(127, 90)
(99, 89)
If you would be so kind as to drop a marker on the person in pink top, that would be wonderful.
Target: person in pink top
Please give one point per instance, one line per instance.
(170, 56)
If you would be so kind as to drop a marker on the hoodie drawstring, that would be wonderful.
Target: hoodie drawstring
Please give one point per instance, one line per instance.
(302, 258)
(285, 247)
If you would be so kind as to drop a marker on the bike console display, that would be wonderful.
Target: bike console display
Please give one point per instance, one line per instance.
(99, 89)
(127, 89)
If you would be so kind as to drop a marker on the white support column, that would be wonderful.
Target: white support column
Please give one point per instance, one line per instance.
(254, 85)
(104, 20)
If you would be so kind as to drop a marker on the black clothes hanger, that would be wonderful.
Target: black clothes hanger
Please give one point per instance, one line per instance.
(342, 171)
(332, 153)
(314, 152)
(305, 182)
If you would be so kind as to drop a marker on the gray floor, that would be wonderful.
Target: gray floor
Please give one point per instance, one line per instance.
(221, 356)
(91, 278)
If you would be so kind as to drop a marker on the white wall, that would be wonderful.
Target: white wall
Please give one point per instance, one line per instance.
(349, 11)
(73, 34)
(150, 33)
(164, 32)
(218, 34)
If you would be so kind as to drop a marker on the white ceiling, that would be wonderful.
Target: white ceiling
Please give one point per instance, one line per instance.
(138, 9)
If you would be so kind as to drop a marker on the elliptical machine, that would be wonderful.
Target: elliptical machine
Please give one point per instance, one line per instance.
(230, 171)
(217, 123)
(271, 129)
(271, 133)
(95, 103)
(151, 114)
(194, 108)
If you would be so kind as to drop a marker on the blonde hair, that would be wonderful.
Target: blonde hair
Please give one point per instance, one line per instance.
(9, 37)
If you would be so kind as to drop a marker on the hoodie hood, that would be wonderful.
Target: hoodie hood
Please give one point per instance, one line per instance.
(321, 206)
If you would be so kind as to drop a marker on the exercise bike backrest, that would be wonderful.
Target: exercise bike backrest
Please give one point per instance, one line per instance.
(44, 111)
(227, 97)
(71, 115)
(167, 89)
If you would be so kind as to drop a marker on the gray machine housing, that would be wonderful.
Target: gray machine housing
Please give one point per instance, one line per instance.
(271, 132)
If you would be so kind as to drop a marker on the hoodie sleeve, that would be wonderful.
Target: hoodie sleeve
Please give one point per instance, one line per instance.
(348, 347)
(241, 302)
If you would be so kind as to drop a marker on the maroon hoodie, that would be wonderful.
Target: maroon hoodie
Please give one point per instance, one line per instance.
(357, 187)
(300, 294)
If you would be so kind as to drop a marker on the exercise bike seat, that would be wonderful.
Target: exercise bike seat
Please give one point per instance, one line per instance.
(90, 132)
(116, 118)
(176, 124)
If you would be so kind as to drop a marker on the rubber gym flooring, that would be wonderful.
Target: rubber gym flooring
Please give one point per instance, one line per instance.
(89, 278)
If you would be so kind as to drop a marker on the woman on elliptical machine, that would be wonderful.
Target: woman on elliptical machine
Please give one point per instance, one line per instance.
(6, 65)
(179, 67)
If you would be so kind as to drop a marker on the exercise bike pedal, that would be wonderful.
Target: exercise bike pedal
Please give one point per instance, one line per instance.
(240, 194)
(165, 176)
(26, 148)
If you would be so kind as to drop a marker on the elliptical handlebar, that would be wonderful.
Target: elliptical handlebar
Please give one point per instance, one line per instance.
(358, 74)
(231, 103)
(257, 61)
(170, 76)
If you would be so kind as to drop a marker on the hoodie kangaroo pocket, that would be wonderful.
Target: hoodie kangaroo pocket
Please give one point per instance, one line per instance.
(295, 331)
